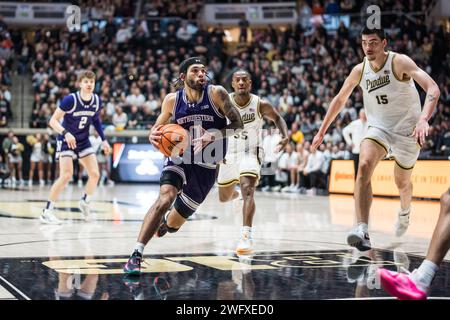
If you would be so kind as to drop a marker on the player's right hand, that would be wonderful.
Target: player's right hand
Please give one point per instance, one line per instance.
(71, 141)
(155, 136)
(318, 138)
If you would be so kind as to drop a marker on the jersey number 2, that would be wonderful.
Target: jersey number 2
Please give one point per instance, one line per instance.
(382, 99)
(82, 123)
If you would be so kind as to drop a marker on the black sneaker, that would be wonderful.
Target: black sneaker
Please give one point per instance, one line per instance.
(134, 285)
(357, 269)
(162, 230)
(133, 266)
(162, 287)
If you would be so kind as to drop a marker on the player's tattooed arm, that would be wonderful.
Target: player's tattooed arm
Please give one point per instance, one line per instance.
(431, 97)
(406, 65)
(222, 100)
(267, 111)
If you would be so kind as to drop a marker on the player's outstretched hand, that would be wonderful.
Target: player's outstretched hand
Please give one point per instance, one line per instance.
(421, 131)
(71, 141)
(155, 136)
(106, 148)
(280, 146)
(199, 143)
(318, 138)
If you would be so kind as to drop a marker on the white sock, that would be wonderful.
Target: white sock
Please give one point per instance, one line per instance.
(247, 230)
(363, 227)
(425, 274)
(139, 247)
(404, 212)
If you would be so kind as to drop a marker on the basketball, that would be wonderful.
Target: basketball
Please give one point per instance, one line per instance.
(174, 140)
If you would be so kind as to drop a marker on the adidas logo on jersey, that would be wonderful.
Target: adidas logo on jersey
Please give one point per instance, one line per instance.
(372, 85)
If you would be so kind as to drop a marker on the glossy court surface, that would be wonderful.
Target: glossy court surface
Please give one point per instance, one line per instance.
(300, 249)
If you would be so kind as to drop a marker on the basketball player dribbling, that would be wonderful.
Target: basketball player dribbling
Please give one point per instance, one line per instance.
(197, 105)
(244, 155)
(396, 125)
(77, 111)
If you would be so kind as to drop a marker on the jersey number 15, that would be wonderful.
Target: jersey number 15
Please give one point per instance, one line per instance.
(382, 99)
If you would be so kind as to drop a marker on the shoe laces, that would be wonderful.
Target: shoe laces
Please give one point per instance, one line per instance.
(136, 258)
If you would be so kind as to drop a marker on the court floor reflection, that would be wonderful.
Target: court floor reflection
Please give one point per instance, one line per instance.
(286, 275)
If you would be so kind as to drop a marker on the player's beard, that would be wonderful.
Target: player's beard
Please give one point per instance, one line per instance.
(242, 93)
(194, 85)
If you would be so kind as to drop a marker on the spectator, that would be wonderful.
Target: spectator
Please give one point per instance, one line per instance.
(135, 118)
(244, 25)
(119, 119)
(269, 167)
(313, 174)
(136, 97)
(354, 134)
(15, 160)
(36, 158)
(48, 153)
(343, 153)
(4, 172)
(292, 165)
(148, 118)
(183, 33)
(287, 160)
(102, 159)
(296, 134)
(6, 145)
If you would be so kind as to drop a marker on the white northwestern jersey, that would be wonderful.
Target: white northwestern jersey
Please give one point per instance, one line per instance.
(250, 138)
(391, 104)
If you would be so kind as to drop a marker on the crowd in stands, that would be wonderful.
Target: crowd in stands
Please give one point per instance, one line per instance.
(6, 56)
(298, 69)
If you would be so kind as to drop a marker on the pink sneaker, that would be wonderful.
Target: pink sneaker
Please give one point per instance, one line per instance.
(400, 285)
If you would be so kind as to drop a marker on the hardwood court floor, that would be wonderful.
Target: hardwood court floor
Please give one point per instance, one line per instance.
(300, 249)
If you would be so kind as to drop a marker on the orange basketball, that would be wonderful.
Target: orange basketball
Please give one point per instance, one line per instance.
(174, 140)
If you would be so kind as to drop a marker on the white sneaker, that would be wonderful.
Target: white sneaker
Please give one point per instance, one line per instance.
(80, 182)
(42, 183)
(401, 260)
(373, 278)
(286, 189)
(85, 210)
(245, 244)
(402, 223)
(30, 183)
(359, 239)
(48, 217)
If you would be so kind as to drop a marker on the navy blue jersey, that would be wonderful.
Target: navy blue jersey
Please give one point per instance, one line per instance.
(204, 114)
(79, 114)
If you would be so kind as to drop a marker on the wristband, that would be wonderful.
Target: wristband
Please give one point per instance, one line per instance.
(64, 132)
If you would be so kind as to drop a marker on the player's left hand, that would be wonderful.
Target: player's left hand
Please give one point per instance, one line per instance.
(280, 146)
(199, 143)
(421, 131)
(106, 148)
